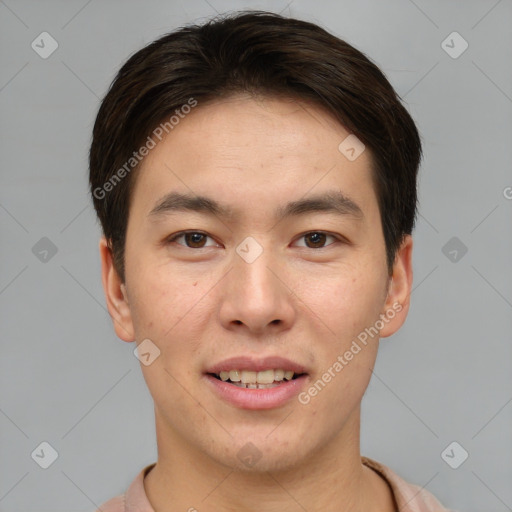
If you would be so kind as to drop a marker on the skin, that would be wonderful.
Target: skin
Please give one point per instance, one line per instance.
(203, 305)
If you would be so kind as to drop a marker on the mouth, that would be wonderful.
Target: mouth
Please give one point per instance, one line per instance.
(256, 383)
(249, 379)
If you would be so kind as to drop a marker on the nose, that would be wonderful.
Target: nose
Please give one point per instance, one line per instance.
(256, 297)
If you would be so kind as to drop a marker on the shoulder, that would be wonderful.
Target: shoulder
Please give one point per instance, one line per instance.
(116, 504)
(409, 497)
(134, 499)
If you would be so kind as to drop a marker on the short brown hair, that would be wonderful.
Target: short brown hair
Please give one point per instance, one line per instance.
(253, 52)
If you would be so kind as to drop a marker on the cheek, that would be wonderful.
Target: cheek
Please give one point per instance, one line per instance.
(348, 308)
(347, 304)
(171, 312)
(169, 309)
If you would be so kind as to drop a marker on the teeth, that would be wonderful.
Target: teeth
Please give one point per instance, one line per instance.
(250, 379)
(234, 376)
(288, 375)
(254, 386)
(278, 375)
(265, 377)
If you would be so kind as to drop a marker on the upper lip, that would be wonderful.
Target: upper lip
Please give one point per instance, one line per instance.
(256, 364)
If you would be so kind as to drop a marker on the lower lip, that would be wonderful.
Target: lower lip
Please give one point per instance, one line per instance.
(268, 398)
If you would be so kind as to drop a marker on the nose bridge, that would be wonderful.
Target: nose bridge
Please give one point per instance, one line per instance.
(255, 296)
(252, 265)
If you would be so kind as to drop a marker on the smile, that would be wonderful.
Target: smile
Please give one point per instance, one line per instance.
(256, 395)
(256, 380)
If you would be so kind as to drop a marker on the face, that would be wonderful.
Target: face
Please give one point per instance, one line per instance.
(281, 267)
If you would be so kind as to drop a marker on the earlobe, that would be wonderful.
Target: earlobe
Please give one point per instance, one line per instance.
(397, 302)
(115, 294)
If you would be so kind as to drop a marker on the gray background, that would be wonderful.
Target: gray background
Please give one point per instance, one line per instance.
(445, 376)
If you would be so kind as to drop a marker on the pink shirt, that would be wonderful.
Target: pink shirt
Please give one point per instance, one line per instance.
(409, 497)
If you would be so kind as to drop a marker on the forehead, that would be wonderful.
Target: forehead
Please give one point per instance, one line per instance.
(271, 149)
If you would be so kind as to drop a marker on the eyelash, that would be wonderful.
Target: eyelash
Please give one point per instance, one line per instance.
(180, 234)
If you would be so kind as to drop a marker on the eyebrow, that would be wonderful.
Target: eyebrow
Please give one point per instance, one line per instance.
(330, 202)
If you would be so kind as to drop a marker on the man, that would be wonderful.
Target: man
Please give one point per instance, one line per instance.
(255, 178)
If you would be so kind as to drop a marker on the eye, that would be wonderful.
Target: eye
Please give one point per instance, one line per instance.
(317, 239)
(193, 239)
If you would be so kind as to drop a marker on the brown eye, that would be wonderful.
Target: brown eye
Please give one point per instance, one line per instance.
(316, 239)
(193, 239)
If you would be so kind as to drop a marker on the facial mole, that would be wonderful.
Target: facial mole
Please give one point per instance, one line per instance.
(195, 283)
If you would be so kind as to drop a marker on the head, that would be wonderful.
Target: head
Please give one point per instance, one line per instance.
(239, 132)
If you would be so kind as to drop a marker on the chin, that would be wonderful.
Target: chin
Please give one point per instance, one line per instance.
(266, 462)
(267, 452)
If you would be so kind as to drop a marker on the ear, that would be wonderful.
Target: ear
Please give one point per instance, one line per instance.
(115, 293)
(396, 306)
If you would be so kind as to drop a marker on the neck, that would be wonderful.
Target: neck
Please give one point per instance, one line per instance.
(331, 479)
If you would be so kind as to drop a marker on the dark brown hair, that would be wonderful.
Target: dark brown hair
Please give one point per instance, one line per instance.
(259, 53)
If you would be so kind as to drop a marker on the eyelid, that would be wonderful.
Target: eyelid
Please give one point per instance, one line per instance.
(337, 237)
(174, 236)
